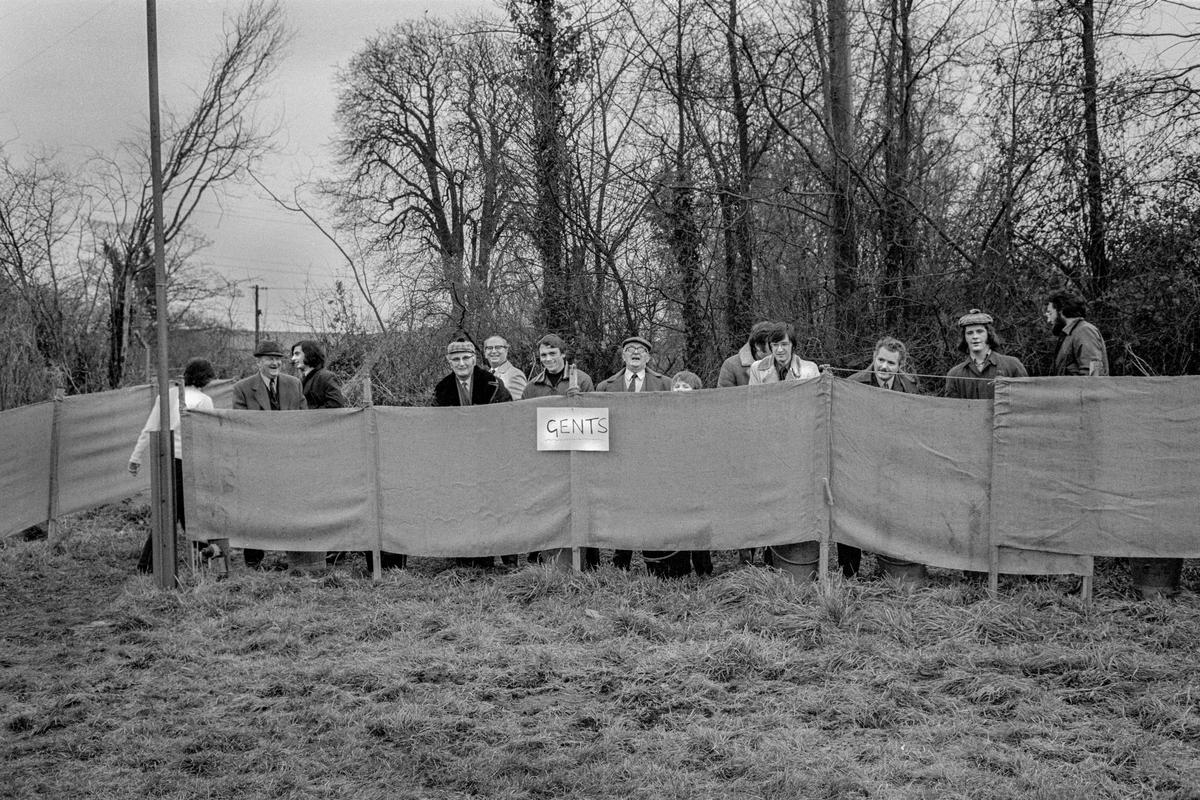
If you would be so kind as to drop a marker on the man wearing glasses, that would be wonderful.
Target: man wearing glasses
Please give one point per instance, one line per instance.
(495, 350)
(637, 377)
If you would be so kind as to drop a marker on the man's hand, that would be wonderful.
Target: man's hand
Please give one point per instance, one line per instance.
(134, 467)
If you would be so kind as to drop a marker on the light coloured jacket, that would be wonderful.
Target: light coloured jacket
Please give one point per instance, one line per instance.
(514, 379)
(193, 398)
(763, 370)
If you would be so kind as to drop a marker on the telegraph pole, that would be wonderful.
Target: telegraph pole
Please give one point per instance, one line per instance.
(257, 316)
(162, 494)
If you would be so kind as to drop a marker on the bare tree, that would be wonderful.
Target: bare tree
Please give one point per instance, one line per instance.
(428, 113)
(215, 142)
(47, 278)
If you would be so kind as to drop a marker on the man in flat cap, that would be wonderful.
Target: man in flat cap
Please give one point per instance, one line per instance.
(638, 377)
(267, 390)
(468, 384)
(975, 378)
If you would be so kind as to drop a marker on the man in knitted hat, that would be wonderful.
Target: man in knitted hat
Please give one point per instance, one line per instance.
(267, 389)
(975, 378)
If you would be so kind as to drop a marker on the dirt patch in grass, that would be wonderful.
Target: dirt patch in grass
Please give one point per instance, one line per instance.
(446, 683)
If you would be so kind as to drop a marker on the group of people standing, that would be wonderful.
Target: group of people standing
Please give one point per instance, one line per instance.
(768, 356)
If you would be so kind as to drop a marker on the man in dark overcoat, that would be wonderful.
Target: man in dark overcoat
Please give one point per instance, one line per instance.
(468, 384)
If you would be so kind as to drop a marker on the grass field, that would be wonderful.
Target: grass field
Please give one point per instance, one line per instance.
(448, 683)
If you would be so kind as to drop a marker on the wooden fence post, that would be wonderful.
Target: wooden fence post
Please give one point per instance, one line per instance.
(52, 532)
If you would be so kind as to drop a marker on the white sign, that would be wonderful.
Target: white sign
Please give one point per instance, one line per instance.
(572, 429)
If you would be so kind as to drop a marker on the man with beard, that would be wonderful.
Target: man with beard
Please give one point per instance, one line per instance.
(1081, 349)
(267, 390)
(638, 377)
(975, 378)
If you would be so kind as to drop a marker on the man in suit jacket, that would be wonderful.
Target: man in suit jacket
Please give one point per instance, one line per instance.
(638, 377)
(888, 371)
(495, 349)
(267, 390)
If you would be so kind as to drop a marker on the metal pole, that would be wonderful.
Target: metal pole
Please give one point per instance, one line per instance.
(257, 316)
(164, 532)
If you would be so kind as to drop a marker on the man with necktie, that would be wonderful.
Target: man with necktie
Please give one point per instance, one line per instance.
(267, 389)
(638, 377)
(468, 384)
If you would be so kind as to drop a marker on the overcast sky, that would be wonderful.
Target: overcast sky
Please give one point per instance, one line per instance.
(73, 78)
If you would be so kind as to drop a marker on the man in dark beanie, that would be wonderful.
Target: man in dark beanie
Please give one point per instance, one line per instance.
(975, 378)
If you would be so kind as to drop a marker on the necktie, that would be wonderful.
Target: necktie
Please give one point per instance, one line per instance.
(633, 382)
(274, 396)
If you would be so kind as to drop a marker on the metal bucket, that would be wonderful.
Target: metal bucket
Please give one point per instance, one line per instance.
(1155, 577)
(307, 563)
(905, 571)
(800, 560)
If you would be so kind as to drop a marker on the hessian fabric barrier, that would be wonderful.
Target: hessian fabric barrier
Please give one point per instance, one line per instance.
(1109, 467)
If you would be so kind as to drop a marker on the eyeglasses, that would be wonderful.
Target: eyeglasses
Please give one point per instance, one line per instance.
(636, 348)
(496, 347)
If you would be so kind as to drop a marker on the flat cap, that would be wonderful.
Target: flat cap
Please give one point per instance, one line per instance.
(459, 346)
(975, 317)
(637, 340)
(269, 348)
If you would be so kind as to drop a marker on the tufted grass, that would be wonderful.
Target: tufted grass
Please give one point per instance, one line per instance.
(446, 683)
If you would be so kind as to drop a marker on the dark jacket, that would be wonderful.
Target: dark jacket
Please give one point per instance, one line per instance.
(903, 382)
(655, 382)
(485, 388)
(321, 390)
(251, 394)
